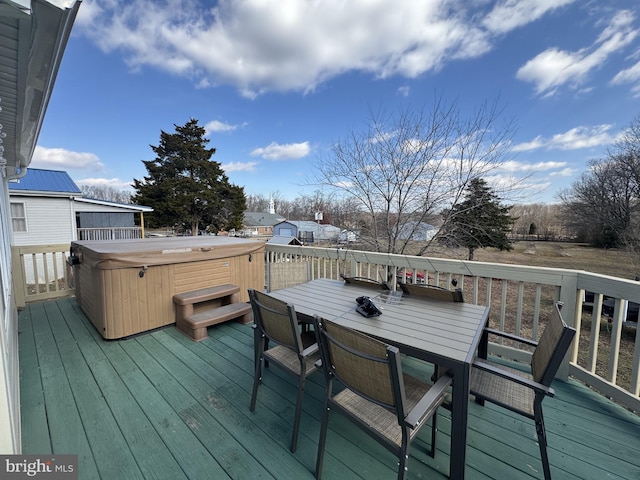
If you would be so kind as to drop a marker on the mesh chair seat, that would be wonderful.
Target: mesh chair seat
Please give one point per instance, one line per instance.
(502, 391)
(383, 420)
(288, 359)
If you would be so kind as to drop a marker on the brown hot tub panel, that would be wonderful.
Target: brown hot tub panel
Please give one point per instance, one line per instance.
(126, 287)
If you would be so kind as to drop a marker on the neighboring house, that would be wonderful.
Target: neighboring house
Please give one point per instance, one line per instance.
(41, 205)
(348, 236)
(104, 220)
(259, 223)
(418, 231)
(280, 240)
(33, 36)
(47, 208)
(307, 231)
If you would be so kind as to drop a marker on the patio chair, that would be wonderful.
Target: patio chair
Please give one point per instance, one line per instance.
(432, 291)
(365, 282)
(388, 405)
(294, 351)
(521, 392)
(287, 274)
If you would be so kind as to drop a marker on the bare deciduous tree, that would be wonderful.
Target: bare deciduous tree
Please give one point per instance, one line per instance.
(603, 207)
(105, 192)
(538, 220)
(406, 168)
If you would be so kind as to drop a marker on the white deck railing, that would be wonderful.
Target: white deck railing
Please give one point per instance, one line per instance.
(606, 357)
(110, 233)
(40, 272)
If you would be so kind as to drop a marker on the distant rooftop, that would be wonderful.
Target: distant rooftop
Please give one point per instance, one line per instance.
(39, 180)
(261, 219)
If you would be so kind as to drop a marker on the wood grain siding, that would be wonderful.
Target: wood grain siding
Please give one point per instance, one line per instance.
(196, 275)
(248, 271)
(127, 303)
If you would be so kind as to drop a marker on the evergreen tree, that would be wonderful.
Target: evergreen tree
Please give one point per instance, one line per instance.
(478, 221)
(185, 187)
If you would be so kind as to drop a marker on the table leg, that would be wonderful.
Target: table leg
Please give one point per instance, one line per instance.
(459, 412)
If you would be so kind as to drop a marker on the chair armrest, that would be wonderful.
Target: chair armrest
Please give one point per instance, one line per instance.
(511, 336)
(513, 377)
(310, 350)
(429, 402)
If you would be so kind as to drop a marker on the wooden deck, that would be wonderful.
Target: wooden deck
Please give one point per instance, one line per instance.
(161, 406)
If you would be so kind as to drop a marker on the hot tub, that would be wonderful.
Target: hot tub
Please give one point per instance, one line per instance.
(127, 286)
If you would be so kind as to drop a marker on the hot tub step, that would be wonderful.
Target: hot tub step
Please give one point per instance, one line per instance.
(195, 326)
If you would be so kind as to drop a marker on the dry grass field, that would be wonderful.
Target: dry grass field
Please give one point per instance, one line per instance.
(573, 256)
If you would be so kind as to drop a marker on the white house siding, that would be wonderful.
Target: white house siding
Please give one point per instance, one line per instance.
(9, 369)
(49, 221)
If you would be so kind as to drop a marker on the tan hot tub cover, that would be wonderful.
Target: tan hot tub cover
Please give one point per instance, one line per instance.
(113, 254)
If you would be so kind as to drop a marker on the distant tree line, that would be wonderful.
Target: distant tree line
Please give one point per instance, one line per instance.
(603, 206)
(106, 192)
(410, 168)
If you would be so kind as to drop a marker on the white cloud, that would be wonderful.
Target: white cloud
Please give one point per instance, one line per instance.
(216, 126)
(534, 144)
(114, 183)
(511, 14)
(573, 139)
(629, 75)
(513, 166)
(239, 167)
(554, 67)
(565, 172)
(281, 45)
(289, 151)
(61, 159)
(404, 91)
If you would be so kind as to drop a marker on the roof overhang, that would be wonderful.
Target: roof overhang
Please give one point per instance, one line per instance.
(31, 193)
(124, 206)
(33, 36)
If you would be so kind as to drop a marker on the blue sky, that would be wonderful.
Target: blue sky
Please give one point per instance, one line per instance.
(276, 82)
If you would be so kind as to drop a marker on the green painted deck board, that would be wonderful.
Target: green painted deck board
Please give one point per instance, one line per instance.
(152, 456)
(110, 450)
(35, 433)
(369, 462)
(66, 431)
(172, 408)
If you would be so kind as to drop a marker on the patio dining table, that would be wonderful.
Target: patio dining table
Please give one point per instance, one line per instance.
(445, 333)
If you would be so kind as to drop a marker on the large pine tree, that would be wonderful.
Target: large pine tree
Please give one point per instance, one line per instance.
(478, 221)
(185, 187)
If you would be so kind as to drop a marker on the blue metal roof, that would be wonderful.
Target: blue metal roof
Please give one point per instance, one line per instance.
(38, 180)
